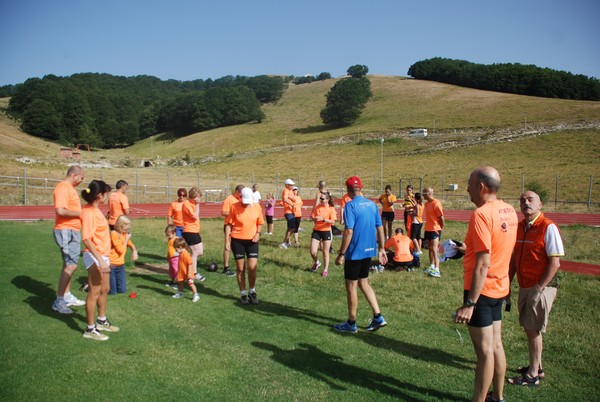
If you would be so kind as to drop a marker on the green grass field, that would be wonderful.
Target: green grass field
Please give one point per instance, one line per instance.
(284, 348)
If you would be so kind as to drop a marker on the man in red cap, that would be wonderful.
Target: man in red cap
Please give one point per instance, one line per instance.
(363, 239)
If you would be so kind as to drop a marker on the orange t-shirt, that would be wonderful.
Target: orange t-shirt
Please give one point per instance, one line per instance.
(493, 230)
(244, 220)
(402, 247)
(327, 212)
(190, 223)
(117, 204)
(227, 203)
(118, 248)
(418, 212)
(65, 196)
(433, 211)
(345, 199)
(95, 227)
(175, 213)
(298, 206)
(185, 262)
(171, 252)
(289, 194)
(387, 201)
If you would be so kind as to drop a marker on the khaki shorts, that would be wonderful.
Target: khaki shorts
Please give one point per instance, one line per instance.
(534, 316)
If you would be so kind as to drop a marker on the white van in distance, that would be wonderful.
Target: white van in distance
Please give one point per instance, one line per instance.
(419, 132)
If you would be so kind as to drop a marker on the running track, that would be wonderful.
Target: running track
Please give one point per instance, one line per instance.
(213, 210)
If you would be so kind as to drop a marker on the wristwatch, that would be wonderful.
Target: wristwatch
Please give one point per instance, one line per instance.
(470, 303)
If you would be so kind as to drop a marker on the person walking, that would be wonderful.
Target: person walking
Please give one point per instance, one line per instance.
(244, 223)
(434, 223)
(362, 240)
(225, 208)
(489, 243)
(324, 216)
(289, 201)
(298, 202)
(535, 262)
(67, 234)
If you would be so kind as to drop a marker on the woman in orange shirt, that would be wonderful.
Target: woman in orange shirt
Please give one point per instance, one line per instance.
(175, 214)
(243, 226)
(96, 238)
(416, 215)
(324, 216)
(191, 228)
(297, 214)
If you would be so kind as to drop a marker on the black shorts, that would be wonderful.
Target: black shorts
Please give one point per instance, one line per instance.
(395, 264)
(321, 235)
(387, 216)
(192, 238)
(357, 269)
(297, 222)
(487, 310)
(269, 219)
(244, 248)
(415, 231)
(433, 235)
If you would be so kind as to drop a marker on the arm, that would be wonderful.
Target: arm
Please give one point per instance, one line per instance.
(441, 221)
(482, 265)
(134, 253)
(380, 245)
(551, 268)
(256, 237)
(344, 246)
(67, 213)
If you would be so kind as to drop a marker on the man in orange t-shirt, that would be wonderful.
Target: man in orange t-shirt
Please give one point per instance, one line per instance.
(434, 223)
(67, 233)
(225, 208)
(402, 256)
(118, 203)
(489, 245)
(289, 205)
(243, 226)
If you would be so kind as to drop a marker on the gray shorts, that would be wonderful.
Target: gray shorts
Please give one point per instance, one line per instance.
(69, 242)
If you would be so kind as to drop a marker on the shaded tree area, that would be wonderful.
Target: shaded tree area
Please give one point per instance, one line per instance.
(346, 101)
(509, 77)
(112, 111)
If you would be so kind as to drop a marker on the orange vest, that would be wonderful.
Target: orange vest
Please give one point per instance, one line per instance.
(530, 252)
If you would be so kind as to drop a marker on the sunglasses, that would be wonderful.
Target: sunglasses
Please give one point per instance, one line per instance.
(323, 199)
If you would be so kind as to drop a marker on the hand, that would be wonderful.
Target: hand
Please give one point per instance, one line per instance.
(340, 259)
(256, 238)
(134, 255)
(383, 257)
(463, 314)
(104, 266)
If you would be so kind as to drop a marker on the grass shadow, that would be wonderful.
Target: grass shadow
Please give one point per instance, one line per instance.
(311, 129)
(41, 299)
(331, 370)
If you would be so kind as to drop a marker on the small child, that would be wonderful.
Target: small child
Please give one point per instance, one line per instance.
(269, 212)
(172, 255)
(120, 239)
(185, 270)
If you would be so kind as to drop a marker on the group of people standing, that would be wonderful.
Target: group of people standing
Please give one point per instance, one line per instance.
(497, 247)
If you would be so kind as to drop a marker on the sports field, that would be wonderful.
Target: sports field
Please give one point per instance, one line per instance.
(282, 349)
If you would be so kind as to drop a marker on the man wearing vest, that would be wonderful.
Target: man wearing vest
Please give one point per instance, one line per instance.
(535, 261)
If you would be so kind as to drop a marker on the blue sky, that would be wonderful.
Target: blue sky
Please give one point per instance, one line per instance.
(187, 40)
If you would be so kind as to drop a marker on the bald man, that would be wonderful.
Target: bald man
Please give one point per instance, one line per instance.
(434, 223)
(489, 243)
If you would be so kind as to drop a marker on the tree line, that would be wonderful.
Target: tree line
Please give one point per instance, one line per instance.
(111, 111)
(513, 78)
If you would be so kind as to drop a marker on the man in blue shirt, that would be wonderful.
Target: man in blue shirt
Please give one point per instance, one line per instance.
(363, 239)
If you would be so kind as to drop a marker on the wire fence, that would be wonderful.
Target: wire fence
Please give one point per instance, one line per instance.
(159, 186)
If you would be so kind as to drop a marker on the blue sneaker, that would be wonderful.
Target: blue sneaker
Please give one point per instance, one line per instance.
(345, 327)
(376, 323)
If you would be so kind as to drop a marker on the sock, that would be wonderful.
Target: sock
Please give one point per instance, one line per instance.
(90, 327)
(102, 319)
(377, 316)
(242, 292)
(252, 290)
(225, 268)
(351, 322)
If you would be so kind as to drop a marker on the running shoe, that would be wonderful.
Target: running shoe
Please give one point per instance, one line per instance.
(228, 272)
(94, 334)
(199, 277)
(178, 295)
(324, 274)
(316, 266)
(73, 301)
(435, 273)
(106, 326)
(376, 323)
(196, 298)
(61, 307)
(253, 298)
(244, 300)
(345, 327)
(284, 245)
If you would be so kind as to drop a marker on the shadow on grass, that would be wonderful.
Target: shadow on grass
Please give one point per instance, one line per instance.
(41, 299)
(281, 310)
(331, 370)
(418, 352)
(311, 129)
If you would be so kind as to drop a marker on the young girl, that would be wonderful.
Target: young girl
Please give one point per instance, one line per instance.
(269, 212)
(324, 216)
(191, 228)
(184, 270)
(175, 215)
(172, 255)
(96, 238)
(120, 239)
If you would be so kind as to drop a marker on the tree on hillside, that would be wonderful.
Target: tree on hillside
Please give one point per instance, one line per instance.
(357, 70)
(42, 120)
(345, 101)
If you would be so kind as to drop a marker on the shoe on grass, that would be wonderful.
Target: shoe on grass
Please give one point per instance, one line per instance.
(195, 298)
(106, 326)
(244, 300)
(178, 295)
(376, 323)
(524, 380)
(199, 277)
(253, 298)
(94, 334)
(435, 273)
(316, 266)
(345, 327)
(228, 272)
(61, 307)
(73, 301)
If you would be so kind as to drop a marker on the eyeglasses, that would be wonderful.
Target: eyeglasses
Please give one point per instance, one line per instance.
(323, 199)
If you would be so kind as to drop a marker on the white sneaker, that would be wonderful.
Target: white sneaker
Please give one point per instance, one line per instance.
(420, 252)
(316, 266)
(178, 295)
(94, 334)
(61, 307)
(435, 273)
(196, 298)
(283, 245)
(199, 277)
(73, 301)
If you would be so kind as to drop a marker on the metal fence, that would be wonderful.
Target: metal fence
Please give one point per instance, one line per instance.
(161, 185)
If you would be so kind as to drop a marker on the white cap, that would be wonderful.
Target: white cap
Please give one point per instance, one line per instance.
(289, 181)
(247, 195)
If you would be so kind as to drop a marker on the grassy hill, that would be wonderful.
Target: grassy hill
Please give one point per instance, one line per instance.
(536, 137)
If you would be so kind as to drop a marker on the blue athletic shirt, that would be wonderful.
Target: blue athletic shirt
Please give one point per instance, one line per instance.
(362, 216)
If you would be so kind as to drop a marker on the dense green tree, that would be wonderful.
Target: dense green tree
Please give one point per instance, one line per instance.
(357, 70)
(345, 101)
(42, 120)
(323, 76)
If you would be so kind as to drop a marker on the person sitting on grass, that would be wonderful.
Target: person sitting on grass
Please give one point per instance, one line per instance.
(402, 256)
(185, 270)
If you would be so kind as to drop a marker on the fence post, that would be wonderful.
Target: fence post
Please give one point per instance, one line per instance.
(421, 184)
(556, 193)
(522, 183)
(400, 187)
(168, 185)
(136, 186)
(589, 203)
(443, 177)
(198, 179)
(25, 186)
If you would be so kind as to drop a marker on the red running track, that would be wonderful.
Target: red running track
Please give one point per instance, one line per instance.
(213, 210)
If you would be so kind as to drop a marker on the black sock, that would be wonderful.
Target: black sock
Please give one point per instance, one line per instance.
(351, 322)
(377, 316)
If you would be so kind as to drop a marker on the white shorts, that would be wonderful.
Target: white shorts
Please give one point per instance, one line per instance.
(89, 260)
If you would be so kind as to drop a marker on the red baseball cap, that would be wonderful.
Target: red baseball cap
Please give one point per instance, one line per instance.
(354, 182)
